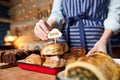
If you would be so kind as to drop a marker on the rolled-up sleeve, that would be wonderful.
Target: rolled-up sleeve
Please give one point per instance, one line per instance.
(113, 20)
(56, 13)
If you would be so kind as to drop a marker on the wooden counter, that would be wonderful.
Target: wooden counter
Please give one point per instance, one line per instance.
(16, 73)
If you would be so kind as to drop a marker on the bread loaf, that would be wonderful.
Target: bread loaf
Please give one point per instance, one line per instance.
(97, 66)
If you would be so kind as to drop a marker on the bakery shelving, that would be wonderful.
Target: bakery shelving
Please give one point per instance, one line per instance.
(5, 20)
(5, 3)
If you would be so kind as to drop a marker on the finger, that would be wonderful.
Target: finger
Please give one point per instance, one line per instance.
(43, 34)
(37, 34)
(103, 50)
(91, 51)
(40, 26)
(44, 26)
(40, 30)
(40, 34)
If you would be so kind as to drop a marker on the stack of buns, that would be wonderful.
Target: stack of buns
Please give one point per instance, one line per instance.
(52, 54)
(55, 55)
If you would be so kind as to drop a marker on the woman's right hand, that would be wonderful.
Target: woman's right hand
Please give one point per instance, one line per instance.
(41, 29)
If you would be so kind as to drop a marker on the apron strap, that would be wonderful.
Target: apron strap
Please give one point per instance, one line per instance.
(72, 20)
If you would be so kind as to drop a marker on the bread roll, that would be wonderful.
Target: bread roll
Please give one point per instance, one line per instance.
(62, 62)
(65, 47)
(52, 61)
(75, 53)
(98, 66)
(34, 59)
(52, 49)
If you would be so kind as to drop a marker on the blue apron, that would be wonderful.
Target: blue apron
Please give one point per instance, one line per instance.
(84, 22)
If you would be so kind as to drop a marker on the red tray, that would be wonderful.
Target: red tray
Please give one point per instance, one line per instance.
(38, 68)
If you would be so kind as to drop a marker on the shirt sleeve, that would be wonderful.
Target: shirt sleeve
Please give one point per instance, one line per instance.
(56, 13)
(113, 20)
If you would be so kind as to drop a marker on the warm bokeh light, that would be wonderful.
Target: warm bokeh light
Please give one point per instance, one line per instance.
(10, 38)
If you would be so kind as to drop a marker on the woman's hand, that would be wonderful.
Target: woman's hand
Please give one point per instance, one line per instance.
(41, 29)
(99, 46)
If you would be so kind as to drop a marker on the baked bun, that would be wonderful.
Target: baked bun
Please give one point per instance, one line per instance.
(52, 49)
(52, 61)
(65, 47)
(34, 59)
(75, 53)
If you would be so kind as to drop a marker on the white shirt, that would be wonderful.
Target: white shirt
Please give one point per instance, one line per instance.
(111, 22)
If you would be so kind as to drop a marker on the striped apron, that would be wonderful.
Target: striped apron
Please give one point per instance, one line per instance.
(84, 22)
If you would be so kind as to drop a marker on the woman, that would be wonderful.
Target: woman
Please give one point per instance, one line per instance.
(88, 23)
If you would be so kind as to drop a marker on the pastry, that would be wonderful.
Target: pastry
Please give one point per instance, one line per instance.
(34, 59)
(1, 55)
(52, 49)
(62, 62)
(97, 66)
(75, 53)
(9, 57)
(65, 47)
(52, 61)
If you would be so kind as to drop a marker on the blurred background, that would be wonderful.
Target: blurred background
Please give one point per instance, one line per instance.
(18, 18)
(17, 21)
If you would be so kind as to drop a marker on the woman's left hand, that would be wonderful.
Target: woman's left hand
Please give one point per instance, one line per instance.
(99, 46)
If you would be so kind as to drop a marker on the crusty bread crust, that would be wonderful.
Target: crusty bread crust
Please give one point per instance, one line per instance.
(52, 49)
(101, 64)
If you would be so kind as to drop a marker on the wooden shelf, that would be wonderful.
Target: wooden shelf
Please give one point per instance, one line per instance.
(5, 20)
(114, 46)
(4, 3)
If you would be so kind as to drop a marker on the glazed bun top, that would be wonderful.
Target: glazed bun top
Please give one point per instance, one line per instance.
(52, 49)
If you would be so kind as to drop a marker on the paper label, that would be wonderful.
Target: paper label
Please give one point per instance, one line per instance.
(54, 33)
